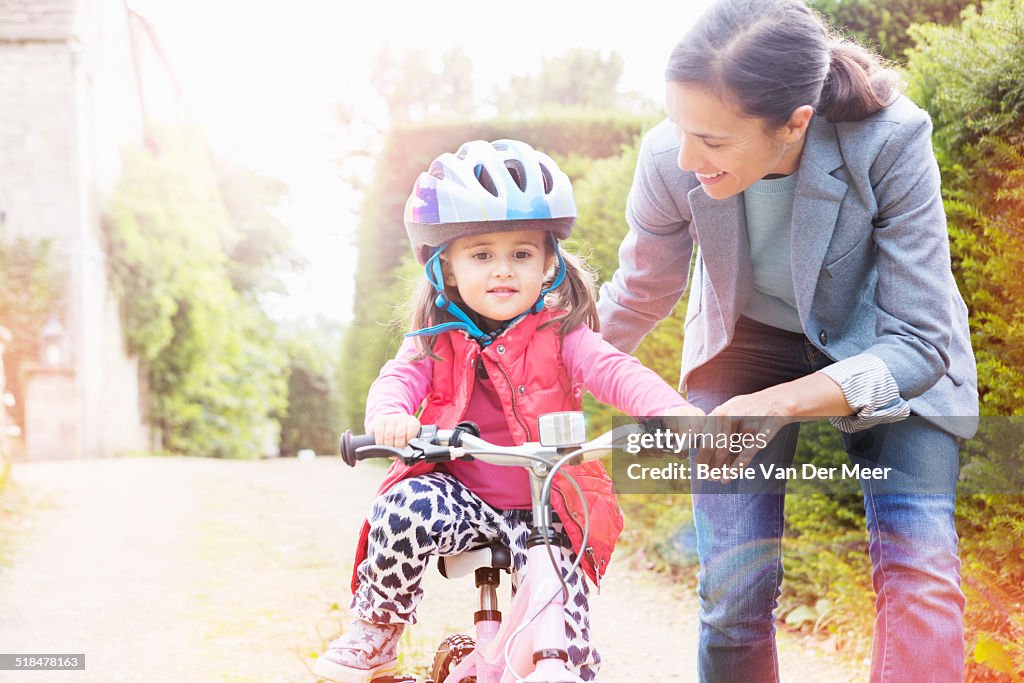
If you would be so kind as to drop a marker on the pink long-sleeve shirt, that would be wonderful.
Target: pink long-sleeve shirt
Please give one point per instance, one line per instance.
(611, 376)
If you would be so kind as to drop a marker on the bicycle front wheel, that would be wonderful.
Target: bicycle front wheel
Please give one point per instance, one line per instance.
(450, 654)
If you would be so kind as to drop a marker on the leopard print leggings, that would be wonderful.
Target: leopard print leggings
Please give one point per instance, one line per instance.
(434, 514)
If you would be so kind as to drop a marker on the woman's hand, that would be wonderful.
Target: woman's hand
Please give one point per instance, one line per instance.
(395, 430)
(687, 410)
(764, 413)
(743, 426)
(807, 398)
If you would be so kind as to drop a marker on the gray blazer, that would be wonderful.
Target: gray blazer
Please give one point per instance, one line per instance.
(870, 258)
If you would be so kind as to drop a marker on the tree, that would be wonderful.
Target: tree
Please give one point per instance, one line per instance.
(414, 88)
(216, 373)
(314, 410)
(580, 77)
(256, 242)
(30, 292)
(884, 24)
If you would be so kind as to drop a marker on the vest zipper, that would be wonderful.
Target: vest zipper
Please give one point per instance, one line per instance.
(515, 406)
(588, 552)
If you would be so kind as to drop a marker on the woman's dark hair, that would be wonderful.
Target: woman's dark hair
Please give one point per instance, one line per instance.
(771, 56)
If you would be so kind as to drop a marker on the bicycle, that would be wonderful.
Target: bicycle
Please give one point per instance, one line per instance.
(530, 645)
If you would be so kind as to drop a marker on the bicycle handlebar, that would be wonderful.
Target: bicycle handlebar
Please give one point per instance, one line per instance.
(350, 443)
(442, 445)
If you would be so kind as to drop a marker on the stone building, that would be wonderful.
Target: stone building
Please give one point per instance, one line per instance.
(78, 81)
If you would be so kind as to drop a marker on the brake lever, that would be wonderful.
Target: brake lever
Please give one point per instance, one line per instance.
(365, 451)
(423, 450)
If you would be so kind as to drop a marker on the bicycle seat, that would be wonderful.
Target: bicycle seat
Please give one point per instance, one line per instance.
(495, 556)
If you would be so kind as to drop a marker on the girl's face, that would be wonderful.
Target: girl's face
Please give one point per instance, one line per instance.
(498, 275)
(728, 150)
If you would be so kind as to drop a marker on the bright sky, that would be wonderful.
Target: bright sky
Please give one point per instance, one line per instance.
(266, 78)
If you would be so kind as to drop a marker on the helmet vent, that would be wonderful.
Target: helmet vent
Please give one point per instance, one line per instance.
(499, 146)
(485, 179)
(518, 172)
(549, 182)
(437, 170)
(463, 152)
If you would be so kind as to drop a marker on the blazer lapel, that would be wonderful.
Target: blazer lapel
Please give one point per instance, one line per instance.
(721, 228)
(815, 210)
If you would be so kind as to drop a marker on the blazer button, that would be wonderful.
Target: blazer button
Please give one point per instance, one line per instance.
(522, 389)
(823, 337)
(500, 349)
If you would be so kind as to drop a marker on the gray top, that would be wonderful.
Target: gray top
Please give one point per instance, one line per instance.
(768, 209)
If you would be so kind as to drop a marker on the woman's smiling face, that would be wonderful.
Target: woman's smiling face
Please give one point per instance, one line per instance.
(728, 150)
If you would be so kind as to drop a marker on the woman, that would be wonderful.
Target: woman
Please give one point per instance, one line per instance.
(821, 286)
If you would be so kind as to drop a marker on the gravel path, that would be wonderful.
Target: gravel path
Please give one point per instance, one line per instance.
(198, 570)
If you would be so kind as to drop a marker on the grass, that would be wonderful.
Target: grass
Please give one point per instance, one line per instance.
(16, 507)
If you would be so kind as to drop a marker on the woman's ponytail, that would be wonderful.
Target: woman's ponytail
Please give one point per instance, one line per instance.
(857, 85)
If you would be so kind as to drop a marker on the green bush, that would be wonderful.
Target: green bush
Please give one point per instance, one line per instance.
(883, 24)
(312, 417)
(971, 79)
(216, 373)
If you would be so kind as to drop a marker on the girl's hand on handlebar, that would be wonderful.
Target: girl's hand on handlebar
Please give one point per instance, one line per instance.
(395, 430)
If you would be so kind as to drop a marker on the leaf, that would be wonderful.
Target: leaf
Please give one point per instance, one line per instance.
(992, 654)
(824, 608)
(800, 616)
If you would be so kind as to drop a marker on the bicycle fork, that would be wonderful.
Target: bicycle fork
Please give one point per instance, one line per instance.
(537, 625)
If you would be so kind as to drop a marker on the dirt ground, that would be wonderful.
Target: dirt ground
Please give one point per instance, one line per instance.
(195, 570)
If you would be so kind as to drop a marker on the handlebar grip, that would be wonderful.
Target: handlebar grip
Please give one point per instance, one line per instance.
(350, 442)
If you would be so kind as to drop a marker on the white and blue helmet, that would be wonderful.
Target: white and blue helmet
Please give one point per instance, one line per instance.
(481, 188)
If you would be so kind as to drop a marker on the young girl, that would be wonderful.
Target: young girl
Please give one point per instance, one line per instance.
(506, 331)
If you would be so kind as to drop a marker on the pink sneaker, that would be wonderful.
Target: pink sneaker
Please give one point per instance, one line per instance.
(364, 652)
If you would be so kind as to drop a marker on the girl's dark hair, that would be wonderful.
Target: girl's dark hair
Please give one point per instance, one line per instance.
(771, 56)
(576, 296)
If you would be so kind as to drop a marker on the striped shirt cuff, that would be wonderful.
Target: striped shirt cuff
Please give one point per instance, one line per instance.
(871, 391)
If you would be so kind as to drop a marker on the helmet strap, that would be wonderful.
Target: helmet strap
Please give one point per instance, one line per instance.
(559, 276)
(435, 276)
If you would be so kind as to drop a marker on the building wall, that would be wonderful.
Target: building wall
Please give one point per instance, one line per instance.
(50, 433)
(69, 106)
(110, 117)
(37, 144)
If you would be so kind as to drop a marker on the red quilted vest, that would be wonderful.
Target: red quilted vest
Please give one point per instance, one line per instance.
(525, 365)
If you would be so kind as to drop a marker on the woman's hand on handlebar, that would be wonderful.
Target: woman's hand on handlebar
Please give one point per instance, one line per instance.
(686, 410)
(395, 430)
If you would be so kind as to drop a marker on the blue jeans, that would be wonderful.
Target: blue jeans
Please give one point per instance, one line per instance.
(912, 540)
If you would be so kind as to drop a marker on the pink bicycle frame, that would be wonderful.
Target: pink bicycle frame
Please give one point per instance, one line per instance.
(539, 594)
